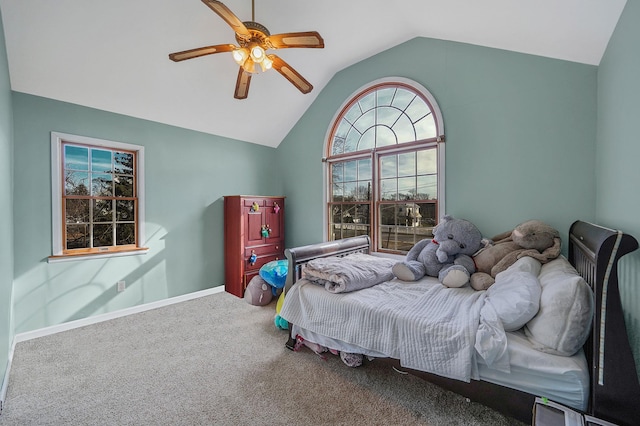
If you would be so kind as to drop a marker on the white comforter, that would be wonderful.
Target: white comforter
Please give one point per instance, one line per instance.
(424, 324)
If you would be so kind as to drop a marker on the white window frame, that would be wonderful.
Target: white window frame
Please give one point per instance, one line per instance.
(440, 136)
(57, 140)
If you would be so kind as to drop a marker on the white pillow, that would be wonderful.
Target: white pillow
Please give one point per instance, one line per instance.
(515, 295)
(563, 322)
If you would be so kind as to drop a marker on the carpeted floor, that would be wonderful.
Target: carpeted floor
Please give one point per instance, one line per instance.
(215, 360)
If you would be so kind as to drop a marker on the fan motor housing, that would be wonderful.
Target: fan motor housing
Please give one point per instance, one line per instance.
(259, 34)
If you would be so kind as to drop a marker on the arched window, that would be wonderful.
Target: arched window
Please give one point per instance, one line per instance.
(385, 165)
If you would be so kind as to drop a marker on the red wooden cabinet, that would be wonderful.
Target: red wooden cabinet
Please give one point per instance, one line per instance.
(253, 236)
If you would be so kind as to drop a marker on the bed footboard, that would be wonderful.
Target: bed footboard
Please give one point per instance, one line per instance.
(299, 256)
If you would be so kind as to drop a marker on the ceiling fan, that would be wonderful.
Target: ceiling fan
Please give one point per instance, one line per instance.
(254, 40)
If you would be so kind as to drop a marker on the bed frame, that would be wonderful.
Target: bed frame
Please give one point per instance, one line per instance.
(594, 251)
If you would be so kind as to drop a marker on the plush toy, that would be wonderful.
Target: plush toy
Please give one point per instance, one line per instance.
(258, 292)
(532, 238)
(446, 256)
(280, 322)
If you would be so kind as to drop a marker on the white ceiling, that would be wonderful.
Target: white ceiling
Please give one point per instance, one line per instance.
(113, 55)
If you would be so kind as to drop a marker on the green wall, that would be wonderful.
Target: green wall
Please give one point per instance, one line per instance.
(520, 133)
(6, 209)
(186, 173)
(618, 151)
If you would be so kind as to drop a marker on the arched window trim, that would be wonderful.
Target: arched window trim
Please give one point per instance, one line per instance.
(439, 139)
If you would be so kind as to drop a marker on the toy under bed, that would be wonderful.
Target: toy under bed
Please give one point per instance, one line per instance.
(576, 380)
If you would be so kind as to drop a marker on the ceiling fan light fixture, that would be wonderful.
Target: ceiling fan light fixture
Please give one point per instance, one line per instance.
(266, 63)
(257, 53)
(240, 55)
(249, 66)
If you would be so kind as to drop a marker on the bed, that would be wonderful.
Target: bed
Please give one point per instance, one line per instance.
(598, 379)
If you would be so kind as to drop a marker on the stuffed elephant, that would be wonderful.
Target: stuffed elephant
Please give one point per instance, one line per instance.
(446, 256)
(532, 238)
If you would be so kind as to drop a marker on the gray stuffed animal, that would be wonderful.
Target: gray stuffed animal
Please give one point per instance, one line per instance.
(446, 256)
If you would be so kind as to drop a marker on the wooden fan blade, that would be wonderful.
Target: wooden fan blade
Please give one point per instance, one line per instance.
(229, 17)
(201, 51)
(242, 84)
(290, 74)
(304, 39)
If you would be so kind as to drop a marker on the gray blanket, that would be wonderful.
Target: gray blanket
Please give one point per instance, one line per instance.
(353, 272)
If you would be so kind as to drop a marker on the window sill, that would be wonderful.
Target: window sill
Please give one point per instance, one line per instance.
(87, 256)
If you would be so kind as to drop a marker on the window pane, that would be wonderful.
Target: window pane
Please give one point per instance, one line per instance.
(125, 210)
(102, 211)
(350, 191)
(76, 158)
(349, 220)
(367, 102)
(402, 99)
(124, 186)
(385, 96)
(427, 187)
(353, 113)
(337, 147)
(364, 169)
(77, 236)
(425, 128)
(336, 213)
(405, 224)
(407, 164)
(385, 136)
(407, 188)
(100, 160)
(101, 185)
(350, 171)
(388, 189)
(364, 191)
(76, 183)
(366, 121)
(125, 234)
(368, 140)
(123, 163)
(343, 129)
(103, 235)
(337, 190)
(337, 172)
(387, 116)
(417, 109)
(76, 211)
(352, 140)
(389, 166)
(404, 130)
(427, 163)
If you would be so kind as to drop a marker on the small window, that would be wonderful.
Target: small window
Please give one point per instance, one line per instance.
(385, 156)
(98, 200)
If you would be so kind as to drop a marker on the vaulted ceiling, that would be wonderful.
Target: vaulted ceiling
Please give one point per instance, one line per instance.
(114, 55)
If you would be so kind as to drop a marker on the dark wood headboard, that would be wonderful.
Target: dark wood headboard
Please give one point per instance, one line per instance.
(615, 391)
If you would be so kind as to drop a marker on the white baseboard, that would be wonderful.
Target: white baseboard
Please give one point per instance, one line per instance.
(21, 337)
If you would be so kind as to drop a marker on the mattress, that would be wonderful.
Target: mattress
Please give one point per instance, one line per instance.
(558, 378)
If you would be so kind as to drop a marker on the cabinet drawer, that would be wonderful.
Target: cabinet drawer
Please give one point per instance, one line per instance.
(247, 278)
(262, 250)
(261, 261)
